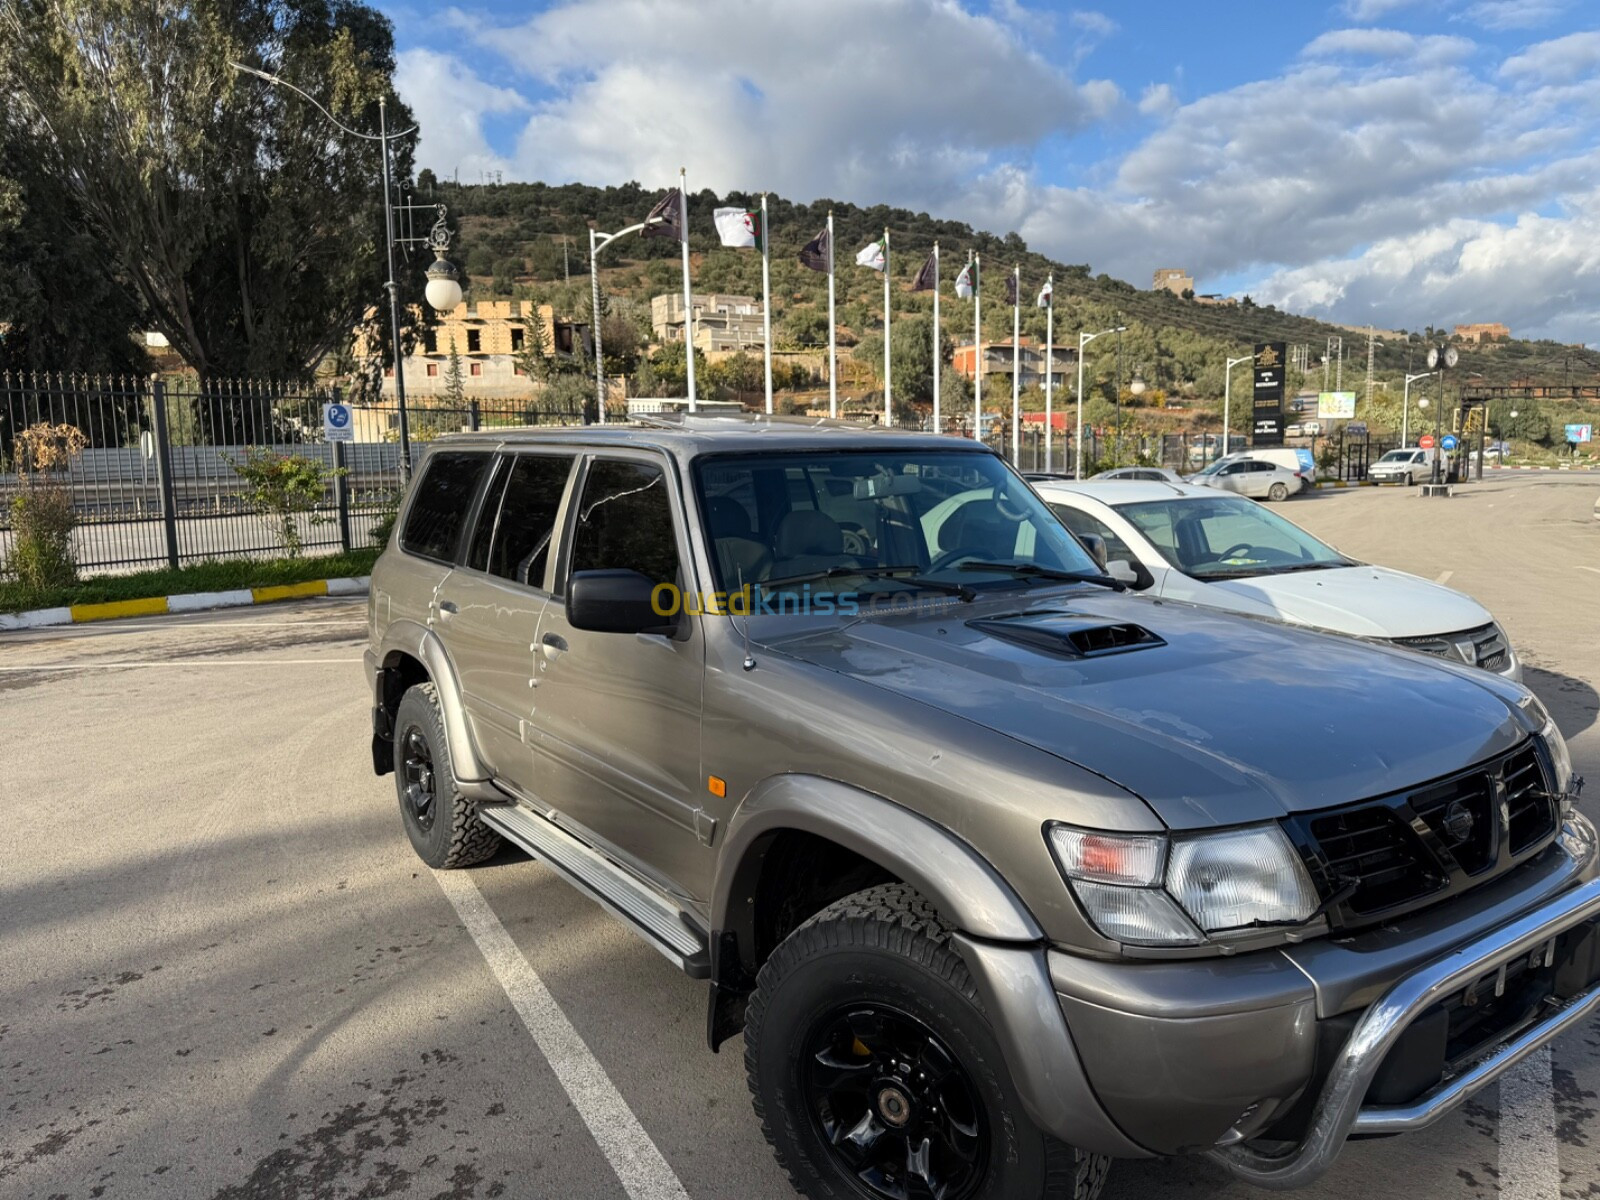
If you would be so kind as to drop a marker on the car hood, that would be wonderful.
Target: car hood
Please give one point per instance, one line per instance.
(1222, 720)
(1364, 601)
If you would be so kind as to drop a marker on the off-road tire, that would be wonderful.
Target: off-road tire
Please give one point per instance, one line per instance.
(1278, 493)
(887, 945)
(455, 838)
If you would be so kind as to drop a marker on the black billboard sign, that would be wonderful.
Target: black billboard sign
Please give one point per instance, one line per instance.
(1267, 428)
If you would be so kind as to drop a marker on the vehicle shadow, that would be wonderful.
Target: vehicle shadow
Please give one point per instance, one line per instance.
(1573, 703)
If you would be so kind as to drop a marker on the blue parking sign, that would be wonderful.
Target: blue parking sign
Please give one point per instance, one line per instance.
(336, 423)
(1449, 442)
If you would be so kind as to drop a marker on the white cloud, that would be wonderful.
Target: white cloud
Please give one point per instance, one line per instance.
(449, 102)
(1562, 60)
(1158, 100)
(892, 100)
(1538, 274)
(1390, 44)
(1515, 14)
(1091, 22)
(1375, 10)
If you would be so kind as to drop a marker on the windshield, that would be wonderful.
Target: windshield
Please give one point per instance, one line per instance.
(1216, 466)
(866, 523)
(1397, 456)
(1228, 537)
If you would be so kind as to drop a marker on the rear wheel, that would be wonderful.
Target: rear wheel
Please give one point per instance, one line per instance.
(1277, 492)
(875, 1072)
(442, 824)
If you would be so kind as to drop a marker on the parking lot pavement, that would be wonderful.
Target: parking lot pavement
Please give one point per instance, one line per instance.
(223, 973)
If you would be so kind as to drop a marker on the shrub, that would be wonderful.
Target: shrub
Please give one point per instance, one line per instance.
(42, 521)
(282, 486)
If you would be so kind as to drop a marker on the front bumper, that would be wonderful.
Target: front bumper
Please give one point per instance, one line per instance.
(1314, 1042)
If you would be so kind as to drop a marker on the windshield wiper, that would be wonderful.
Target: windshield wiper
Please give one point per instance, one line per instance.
(906, 573)
(1312, 566)
(1035, 571)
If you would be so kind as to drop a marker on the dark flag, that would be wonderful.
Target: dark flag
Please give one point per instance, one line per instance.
(1011, 288)
(818, 253)
(670, 212)
(927, 278)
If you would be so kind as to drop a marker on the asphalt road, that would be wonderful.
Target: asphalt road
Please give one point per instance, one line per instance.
(224, 974)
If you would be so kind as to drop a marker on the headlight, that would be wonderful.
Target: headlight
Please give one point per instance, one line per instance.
(1559, 755)
(1143, 889)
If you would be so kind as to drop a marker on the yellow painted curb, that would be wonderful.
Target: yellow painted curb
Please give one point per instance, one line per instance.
(119, 608)
(289, 591)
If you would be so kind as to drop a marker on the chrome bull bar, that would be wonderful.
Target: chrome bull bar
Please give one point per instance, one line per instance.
(1339, 1112)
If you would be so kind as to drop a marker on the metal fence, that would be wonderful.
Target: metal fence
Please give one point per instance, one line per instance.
(156, 484)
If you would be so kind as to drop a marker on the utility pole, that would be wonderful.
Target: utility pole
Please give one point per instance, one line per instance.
(1372, 347)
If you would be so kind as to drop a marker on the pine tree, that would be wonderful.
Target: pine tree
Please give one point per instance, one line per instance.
(455, 387)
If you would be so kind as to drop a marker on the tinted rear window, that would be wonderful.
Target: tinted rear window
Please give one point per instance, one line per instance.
(444, 497)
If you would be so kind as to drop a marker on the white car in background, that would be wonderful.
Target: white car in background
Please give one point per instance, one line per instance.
(1205, 547)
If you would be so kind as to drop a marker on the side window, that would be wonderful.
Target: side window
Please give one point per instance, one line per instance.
(439, 510)
(1082, 524)
(527, 518)
(624, 521)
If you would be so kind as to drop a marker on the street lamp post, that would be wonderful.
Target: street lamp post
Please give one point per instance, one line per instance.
(597, 242)
(1227, 397)
(1084, 338)
(443, 290)
(1440, 359)
(1405, 407)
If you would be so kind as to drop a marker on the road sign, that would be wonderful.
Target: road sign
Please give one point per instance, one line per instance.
(1448, 442)
(1580, 433)
(336, 425)
(1356, 427)
(1426, 441)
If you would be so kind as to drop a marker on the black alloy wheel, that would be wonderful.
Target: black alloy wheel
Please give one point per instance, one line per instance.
(894, 1105)
(418, 779)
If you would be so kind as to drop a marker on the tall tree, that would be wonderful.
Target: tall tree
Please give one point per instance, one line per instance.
(245, 225)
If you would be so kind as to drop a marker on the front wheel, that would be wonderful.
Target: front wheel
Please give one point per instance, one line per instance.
(442, 824)
(876, 1075)
(1277, 493)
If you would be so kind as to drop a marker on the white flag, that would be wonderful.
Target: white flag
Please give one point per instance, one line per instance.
(872, 256)
(737, 226)
(964, 283)
(1045, 295)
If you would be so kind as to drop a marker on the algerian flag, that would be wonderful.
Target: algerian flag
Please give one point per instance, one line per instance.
(872, 256)
(738, 226)
(964, 282)
(1046, 295)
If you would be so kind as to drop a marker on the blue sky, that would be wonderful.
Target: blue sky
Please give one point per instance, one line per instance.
(1394, 162)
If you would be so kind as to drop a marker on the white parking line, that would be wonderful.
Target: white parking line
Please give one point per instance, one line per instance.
(1529, 1166)
(1445, 577)
(639, 1165)
(1596, 570)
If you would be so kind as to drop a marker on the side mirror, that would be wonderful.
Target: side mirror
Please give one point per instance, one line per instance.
(615, 601)
(1123, 571)
(1096, 546)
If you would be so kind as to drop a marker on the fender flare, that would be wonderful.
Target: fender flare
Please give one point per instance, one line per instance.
(960, 882)
(422, 644)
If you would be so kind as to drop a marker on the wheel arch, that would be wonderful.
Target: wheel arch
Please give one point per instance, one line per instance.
(407, 649)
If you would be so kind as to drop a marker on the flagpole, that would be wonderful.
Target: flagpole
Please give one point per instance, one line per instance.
(1049, 365)
(833, 362)
(766, 301)
(977, 349)
(936, 337)
(1016, 366)
(888, 417)
(688, 300)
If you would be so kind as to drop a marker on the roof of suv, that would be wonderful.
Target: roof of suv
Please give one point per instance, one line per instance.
(690, 435)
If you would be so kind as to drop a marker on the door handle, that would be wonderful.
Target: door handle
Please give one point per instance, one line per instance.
(448, 608)
(554, 646)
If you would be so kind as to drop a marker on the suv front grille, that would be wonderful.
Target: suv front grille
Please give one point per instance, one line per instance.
(1409, 849)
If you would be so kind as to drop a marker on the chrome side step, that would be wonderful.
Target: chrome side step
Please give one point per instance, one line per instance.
(649, 915)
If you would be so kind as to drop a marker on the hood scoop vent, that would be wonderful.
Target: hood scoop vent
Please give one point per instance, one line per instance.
(1069, 634)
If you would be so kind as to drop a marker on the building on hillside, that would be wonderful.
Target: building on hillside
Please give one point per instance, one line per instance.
(490, 336)
(1217, 300)
(1174, 280)
(1480, 333)
(721, 323)
(997, 362)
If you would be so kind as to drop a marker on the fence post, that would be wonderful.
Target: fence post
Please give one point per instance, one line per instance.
(169, 507)
(474, 415)
(341, 489)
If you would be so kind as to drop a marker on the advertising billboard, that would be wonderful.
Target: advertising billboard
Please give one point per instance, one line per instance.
(1580, 433)
(1336, 406)
(1267, 428)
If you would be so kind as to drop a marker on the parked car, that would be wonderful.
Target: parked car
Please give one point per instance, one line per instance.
(1407, 465)
(1193, 544)
(1001, 870)
(1250, 476)
(1145, 474)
